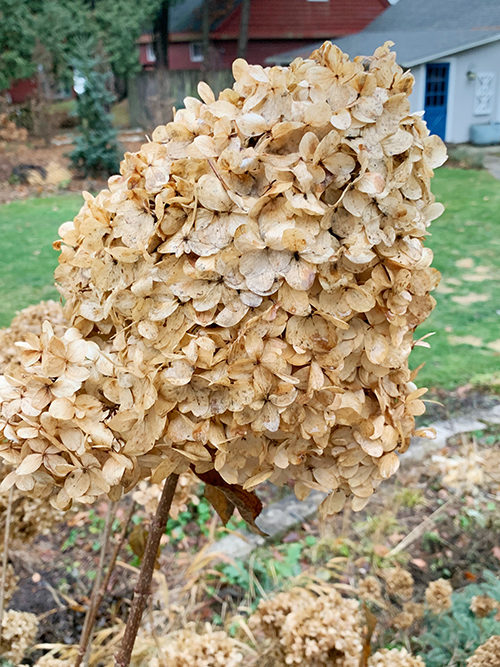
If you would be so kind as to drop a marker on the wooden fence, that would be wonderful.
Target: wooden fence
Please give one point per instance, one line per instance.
(153, 94)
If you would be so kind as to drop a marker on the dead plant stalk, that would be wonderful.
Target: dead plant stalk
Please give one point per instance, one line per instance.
(88, 624)
(5, 555)
(143, 587)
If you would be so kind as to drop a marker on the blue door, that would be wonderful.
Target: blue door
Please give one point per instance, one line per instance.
(436, 97)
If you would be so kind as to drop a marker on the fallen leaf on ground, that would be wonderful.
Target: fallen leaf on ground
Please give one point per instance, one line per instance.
(465, 340)
(444, 289)
(475, 277)
(468, 299)
(465, 263)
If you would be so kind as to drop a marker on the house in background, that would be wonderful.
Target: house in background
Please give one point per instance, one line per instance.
(453, 50)
(274, 26)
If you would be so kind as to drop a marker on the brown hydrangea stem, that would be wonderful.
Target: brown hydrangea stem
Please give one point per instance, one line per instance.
(5, 555)
(143, 587)
(88, 624)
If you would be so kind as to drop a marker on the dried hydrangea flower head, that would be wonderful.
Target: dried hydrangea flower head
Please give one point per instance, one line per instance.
(11, 581)
(438, 596)
(29, 320)
(398, 582)
(249, 284)
(482, 605)
(309, 629)
(395, 657)
(487, 654)
(147, 495)
(19, 630)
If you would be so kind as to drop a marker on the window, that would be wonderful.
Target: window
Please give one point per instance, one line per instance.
(196, 52)
(317, 0)
(150, 53)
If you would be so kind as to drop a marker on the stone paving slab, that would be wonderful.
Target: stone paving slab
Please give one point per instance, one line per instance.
(281, 517)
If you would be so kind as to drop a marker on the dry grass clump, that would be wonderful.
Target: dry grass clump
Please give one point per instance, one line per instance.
(11, 582)
(438, 596)
(308, 629)
(19, 630)
(487, 654)
(394, 658)
(29, 320)
(243, 297)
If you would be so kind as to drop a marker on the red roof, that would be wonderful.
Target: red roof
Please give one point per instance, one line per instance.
(301, 19)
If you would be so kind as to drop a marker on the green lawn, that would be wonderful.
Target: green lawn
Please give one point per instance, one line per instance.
(465, 240)
(27, 230)
(466, 245)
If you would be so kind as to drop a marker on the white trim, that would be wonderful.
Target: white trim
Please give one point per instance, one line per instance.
(450, 105)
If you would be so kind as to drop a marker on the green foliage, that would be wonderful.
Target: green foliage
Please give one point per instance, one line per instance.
(452, 637)
(96, 149)
(58, 26)
(120, 23)
(269, 569)
(16, 42)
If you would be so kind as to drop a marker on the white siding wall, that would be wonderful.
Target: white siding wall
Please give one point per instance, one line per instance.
(417, 97)
(461, 90)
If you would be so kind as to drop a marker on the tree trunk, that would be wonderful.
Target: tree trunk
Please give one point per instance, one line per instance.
(205, 31)
(161, 33)
(243, 36)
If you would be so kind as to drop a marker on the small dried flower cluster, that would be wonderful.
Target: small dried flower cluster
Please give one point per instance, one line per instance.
(369, 589)
(398, 583)
(148, 494)
(19, 630)
(11, 582)
(31, 516)
(309, 629)
(396, 657)
(487, 654)
(247, 289)
(29, 320)
(438, 596)
(482, 605)
(212, 648)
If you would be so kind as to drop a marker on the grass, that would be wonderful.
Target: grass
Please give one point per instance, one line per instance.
(466, 245)
(27, 230)
(465, 240)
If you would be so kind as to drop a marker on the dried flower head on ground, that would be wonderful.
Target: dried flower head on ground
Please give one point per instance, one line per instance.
(243, 297)
(438, 595)
(19, 630)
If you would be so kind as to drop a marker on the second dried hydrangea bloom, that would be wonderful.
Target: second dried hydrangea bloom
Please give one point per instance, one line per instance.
(253, 279)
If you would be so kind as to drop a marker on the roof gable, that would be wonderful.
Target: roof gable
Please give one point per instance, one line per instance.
(421, 30)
